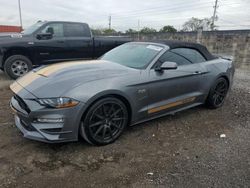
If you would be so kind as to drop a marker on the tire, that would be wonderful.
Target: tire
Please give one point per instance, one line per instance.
(104, 122)
(218, 93)
(17, 65)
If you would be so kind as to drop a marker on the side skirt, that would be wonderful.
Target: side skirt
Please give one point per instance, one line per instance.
(167, 113)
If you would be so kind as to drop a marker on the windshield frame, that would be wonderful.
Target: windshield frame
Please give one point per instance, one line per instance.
(36, 26)
(153, 59)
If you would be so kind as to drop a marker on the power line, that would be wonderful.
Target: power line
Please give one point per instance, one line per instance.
(234, 24)
(159, 8)
(158, 11)
(167, 11)
(130, 19)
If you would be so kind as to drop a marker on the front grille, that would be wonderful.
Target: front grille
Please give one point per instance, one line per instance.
(52, 131)
(22, 104)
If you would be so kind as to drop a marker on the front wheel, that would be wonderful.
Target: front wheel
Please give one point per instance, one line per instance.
(105, 121)
(17, 65)
(217, 93)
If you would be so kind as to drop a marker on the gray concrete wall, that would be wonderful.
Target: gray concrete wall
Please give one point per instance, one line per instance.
(235, 43)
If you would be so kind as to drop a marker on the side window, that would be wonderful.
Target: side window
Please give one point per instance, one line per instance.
(191, 54)
(170, 56)
(56, 29)
(76, 30)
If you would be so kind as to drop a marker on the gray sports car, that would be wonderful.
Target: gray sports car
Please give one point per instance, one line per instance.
(130, 84)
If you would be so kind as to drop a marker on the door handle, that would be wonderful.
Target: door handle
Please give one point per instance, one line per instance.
(60, 41)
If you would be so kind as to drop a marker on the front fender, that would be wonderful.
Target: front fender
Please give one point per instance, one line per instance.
(92, 91)
(88, 97)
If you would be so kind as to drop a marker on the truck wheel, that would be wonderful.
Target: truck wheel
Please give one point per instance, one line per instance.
(17, 65)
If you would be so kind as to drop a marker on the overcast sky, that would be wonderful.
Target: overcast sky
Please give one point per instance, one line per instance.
(233, 14)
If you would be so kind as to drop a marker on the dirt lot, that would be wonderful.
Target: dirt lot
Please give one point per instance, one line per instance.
(184, 150)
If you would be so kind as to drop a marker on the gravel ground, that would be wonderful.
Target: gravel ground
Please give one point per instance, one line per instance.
(184, 150)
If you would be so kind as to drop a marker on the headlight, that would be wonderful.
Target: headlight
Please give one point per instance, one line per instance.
(62, 102)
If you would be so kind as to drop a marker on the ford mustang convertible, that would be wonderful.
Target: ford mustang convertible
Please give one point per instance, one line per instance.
(130, 84)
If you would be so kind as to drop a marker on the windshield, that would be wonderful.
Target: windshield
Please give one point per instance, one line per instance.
(134, 55)
(32, 28)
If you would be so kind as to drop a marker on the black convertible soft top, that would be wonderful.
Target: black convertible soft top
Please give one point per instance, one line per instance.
(181, 44)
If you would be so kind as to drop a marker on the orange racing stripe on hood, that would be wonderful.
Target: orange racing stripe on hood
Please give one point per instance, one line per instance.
(46, 71)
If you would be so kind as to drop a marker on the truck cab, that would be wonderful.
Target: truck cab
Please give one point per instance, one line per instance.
(49, 42)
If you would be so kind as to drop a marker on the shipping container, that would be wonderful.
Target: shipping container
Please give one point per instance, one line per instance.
(10, 29)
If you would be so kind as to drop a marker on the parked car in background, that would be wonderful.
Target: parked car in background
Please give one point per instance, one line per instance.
(49, 42)
(130, 84)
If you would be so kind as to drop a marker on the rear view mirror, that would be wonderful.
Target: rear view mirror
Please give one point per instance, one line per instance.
(167, 66)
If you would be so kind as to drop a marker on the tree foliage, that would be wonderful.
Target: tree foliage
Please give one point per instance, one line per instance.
(148, 30)
(194, 24)
(96, 31)
(103, 31)
(131, 31)
(168, 29)
(109, 31)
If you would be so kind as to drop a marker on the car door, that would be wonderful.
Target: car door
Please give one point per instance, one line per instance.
(50, 50)
(173, 89)
(79, 41)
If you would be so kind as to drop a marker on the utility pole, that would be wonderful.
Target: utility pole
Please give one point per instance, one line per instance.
(20, 14)
(138, 30)
(109, 22)
(214, 15)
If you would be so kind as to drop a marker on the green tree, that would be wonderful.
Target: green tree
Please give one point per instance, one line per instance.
(130, 31)
(96, 31)
(102, 31)
(109, 31)
(194, 24)
(168, 29)
(148, 30)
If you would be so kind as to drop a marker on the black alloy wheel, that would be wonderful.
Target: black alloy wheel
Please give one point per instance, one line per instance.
(105, 121)
(218, 93)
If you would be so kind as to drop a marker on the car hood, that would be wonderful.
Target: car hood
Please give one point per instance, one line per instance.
(57, 79)
(10, 35)
(7, 39)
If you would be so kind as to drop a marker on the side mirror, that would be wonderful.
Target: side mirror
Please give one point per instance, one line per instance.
(50, 30)
(167, 66)
(44, 36)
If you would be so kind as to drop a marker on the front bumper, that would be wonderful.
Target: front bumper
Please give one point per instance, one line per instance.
(25, 120)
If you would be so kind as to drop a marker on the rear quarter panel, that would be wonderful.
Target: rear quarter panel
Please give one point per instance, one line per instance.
(217, 68)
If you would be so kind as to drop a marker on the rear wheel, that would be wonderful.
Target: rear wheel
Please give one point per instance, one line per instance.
(105, 121)
(218, 93)
(17, 65)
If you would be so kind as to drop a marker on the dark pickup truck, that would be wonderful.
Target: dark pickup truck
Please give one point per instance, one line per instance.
(50, 42)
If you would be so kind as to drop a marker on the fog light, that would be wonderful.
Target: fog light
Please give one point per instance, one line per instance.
(50, 120)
